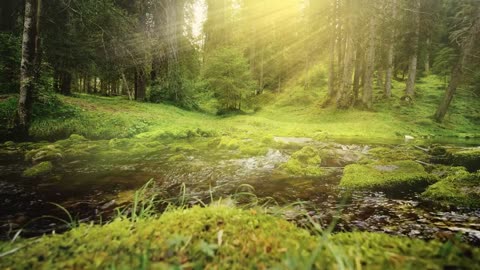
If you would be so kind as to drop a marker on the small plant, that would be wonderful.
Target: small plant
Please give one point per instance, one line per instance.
(143, 206)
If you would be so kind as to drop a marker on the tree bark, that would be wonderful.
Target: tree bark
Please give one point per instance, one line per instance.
(390, 53)
(333, 43)
(344, 95)
(29, 68)
(412, 67)
(427, 58)
(458, 70)
(140, 84)
(359, 67)
(367, 96)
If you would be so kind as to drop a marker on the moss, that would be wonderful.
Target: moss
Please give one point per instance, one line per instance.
(9, 144)
(40, 169)
(386, 154)
(304, 162)
(253, 150)
(219, 237)
(385, 176)
(459, 189)
(438, 150)
(46, 153)
(120, 143)
(177, 158)
(229, 143)
(469, 159)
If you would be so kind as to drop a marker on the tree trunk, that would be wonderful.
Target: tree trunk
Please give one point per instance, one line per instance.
(367, 96)
(427, 58)
(359, 67)
(140, 84)
(261, 81)
(457, 72)
(125, 83)
(343, 96)
(29, 67)
(331, 74)
(412, 67)
(390, 53)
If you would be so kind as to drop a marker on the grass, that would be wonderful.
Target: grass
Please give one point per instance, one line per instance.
(115, 117)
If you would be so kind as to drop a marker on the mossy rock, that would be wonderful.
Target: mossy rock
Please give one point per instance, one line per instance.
(461, 189)
(122, 144)
(9, 144)
(253, 150)
(438, 150)
(386, 176)
(469, 159)
(72, 140)
(305, 162)
(385, 154)
(40, 169)
(47, 153)
(178, 158)
(219, 237)
(229, 143)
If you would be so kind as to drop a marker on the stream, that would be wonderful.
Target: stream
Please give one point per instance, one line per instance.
(92, 190)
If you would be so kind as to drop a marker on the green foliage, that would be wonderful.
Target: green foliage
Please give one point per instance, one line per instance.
(444, 61)
(228, 76)
(49, 106)
(8, 108)
(10, 46)
(181, 94)
(386, 176)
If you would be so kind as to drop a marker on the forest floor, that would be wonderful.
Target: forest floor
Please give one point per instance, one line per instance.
(296, 112)
(291, 149)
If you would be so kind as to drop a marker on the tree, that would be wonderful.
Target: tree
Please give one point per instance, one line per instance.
(367, 97)
(227, 74)
(466, 49)
(29, 67)
(413, 43)
(391, 49)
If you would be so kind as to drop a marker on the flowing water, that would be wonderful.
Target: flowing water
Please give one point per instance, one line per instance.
(90, 191)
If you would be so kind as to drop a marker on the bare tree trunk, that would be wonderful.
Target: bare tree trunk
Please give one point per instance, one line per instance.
(359, 67)
(261, 82)
(125, 82)
(29, 67)
(333, 43)
(412, 67)
(343, 96)
(344, 93)
(457, 72)
(140, 84)
(427, 58)
(367, 96)
(390, 53)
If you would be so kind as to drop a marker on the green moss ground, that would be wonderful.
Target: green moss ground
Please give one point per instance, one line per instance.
(384, 176)
(220, 237)
(458, 189)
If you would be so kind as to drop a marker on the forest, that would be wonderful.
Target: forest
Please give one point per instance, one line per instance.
(240, 134)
